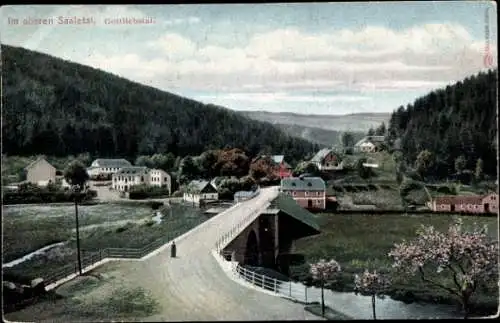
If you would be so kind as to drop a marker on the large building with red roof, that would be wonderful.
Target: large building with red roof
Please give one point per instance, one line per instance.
(478, 204)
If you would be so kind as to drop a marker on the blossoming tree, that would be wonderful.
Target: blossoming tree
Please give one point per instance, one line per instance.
(373, 284)
(323, 271)
(467, 258)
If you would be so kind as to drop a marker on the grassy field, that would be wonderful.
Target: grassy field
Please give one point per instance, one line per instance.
(27, 229)
(92, 297)
(363, 241)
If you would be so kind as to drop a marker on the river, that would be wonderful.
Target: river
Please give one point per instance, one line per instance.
(360, 307)
(32, 254)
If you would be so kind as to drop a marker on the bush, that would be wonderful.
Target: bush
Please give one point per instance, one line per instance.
(103, 184)
(446, 190)
(156, 205)
(122, 229)
(177, 194)
(144, 192)
(34, 194)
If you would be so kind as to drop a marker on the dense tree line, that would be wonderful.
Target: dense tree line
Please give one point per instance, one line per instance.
(450, 130)
(55, 107)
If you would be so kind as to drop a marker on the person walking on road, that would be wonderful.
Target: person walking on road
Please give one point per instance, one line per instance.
(173, 250)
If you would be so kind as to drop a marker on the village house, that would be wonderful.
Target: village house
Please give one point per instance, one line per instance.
(159, 177)
(107, 167)
(367, 147)
(40, 172)
(283, 169)
(309, 192)
(327, 159)
(369, 144)
(477, 204)
(200, 191)
(127, 177)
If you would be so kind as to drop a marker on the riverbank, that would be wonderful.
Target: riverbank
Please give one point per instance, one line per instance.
(360, 241)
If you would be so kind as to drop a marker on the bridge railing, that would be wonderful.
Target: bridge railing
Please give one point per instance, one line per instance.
(229, 235)
(288, 289)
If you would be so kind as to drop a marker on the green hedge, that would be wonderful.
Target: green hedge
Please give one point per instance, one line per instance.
(144, 192)
(43, 195)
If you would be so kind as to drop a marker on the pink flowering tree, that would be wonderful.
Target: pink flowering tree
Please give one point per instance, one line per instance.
(468, 259)
(373, 284)
(322, 272)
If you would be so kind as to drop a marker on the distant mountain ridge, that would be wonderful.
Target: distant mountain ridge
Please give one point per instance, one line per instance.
(323, 137)
(356, 122)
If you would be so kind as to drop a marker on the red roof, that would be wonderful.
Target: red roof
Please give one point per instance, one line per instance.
(464, 199)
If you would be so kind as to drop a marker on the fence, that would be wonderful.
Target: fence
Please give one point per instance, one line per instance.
(90, 258)
(288, 289)
(229, 235)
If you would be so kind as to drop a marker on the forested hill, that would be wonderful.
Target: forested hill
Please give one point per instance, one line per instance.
(459, 120)
(56, 107)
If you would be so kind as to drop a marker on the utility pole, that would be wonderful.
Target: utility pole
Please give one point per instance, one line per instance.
(76, 190)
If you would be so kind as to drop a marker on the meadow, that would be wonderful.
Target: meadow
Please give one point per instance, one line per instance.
(362, 241)
(28, 228)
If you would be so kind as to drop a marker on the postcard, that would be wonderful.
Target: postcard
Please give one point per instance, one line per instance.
(250, 162)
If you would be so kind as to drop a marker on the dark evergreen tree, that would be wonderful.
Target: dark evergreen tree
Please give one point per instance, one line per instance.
(459, 120)
(55, 107)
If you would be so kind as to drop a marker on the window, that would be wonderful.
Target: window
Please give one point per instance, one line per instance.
(309, 184)
(165, 179)
(294, 193)
(142, 178)
(317, 193)
(307, 193)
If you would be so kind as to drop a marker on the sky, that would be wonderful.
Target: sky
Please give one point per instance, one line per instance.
(310, 58)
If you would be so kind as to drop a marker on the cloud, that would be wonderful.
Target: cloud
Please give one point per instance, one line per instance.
(174, 46)
(421, 57)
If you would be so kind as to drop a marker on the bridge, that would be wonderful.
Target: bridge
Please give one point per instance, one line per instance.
(197, 286)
